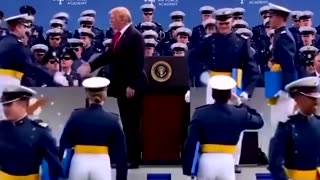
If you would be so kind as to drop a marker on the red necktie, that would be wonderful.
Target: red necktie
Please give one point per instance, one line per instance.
(116, 38)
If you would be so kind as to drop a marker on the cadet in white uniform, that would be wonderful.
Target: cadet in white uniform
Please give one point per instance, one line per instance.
(96, 136)
(217, 128)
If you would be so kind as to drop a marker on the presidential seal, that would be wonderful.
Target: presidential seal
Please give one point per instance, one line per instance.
(161, 71)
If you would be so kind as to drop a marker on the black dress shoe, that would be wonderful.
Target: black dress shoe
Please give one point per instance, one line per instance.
(237, 169)
(133, 165)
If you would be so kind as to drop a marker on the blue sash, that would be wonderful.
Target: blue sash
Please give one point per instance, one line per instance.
(237, 76)
(45, 170)
(195, 163)
(273, 83)
(66, 161)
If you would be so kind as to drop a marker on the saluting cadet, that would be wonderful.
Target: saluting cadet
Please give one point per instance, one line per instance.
(147, 15)
(65, 17)
(96, 137)
(217, 128)
(294, 149)
(24, 142)
(199, 32)
(98, 32)
(227, 46)
(38, 51)
(150, 46)
(307, 54)
(87, 36)
(77, 46)
(54, 40)
(179, 49)
(238, 13)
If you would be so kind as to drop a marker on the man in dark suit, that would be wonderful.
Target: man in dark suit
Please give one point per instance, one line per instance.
(126, 60)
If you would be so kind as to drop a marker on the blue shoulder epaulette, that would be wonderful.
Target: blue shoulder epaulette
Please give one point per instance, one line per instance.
(203, 106)
(40, 124)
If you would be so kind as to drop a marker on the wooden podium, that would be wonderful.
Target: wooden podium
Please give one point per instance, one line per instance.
(163, 109)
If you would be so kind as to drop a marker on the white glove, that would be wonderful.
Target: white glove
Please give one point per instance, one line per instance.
(60, 79)
(205, 77)
(235, 100)
(187, 97)
(84, 69)
(244, 96)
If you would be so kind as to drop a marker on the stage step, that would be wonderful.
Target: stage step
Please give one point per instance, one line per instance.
(263, 176)
(158, 176)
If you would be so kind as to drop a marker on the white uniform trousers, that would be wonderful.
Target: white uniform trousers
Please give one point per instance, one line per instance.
(4, 80)
(281, 110)
(90, 167)
(237, 155)
(209, 99)
(216, 166)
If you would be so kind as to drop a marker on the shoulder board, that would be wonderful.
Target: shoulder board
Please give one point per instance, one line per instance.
(20, 41)
(115, 114)
(244, 37)
(78, 109)
(40, 124)
(203, 106)
(158, 24)
(283, 32)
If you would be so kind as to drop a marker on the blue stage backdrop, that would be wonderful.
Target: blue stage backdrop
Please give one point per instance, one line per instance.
(46, 8)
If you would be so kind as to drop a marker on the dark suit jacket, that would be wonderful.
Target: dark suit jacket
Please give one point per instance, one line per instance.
(126, 62)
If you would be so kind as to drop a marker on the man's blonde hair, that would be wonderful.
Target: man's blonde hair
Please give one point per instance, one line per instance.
(122, 12)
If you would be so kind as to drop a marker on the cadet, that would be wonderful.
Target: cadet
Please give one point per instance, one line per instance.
(238, 13)
(294, 149)
(38, 51)
(36, 31)
(199, 32)
(165, 45)
(3, 31)
(56, 23)
(150, 46)
(179, 49)
(284, 47)
(65, 17)
(245, 32)
(305, 18)
(296, 23)
(98, 32)
(148, 13)
(96, 136)
(24, 142)
(88, 22)
(145, 26)
(237, 24)
(261, 39)
(210, 27)
(183, 35)
(215, 50)
(77, 46)
(176, 16)
(54, 40)
(14, 61)
(217, 128)
(67, 59)
(150, 34)
(307, 54)
(87, 36)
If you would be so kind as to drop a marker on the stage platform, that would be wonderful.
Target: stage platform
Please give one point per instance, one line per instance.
(248, 173)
